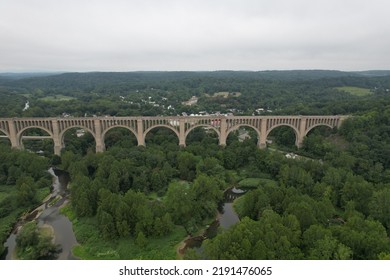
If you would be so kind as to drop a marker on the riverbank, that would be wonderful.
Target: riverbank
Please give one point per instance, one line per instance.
(12, 223)
(49, 219)
(225, 218)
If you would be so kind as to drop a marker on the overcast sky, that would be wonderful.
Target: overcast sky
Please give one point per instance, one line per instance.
(130, 35)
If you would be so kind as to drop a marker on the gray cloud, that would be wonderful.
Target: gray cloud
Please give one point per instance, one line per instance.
(120, 35)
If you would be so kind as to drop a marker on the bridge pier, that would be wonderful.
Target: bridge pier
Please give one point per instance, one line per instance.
(57, 150)
(140, 133)
(262, 144)
(302, 133)
(182, 133)
(223, 132)
(98, 138)
(56, 138)
(15, 144)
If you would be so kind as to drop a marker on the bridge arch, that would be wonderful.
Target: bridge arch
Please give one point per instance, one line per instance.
(20, 133)
(37, 143)
(61, 136)
(120, 126)
(298, 139)
(161, 125)
(233, 128)
(316, 125)
(200, 125)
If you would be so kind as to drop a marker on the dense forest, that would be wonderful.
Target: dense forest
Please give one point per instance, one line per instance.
(130, 202)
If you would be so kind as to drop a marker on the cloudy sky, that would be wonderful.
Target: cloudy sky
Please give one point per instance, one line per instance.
(130, 35)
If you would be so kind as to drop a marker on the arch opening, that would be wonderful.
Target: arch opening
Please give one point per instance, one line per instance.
(204, 134)
(162, 136)
(121, 137)
(37, 140)
(321, 129)
(283, 137)
(243, 133)
(78, 140)
(321, 139)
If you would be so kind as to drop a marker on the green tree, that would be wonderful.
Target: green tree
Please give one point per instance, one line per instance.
(207, 193)
(106, 224)
(31, 245)
(210, 166)
(253, 204)
(82, 198)
(180, 203)
(186, 163)
(366, 238)
(158, 181)
(122, 218)
(359, 190)
(141, 240)
(380, 206)
(329, 248)
(28, 236)
(26, 191)
(304, 212)
(168, 223)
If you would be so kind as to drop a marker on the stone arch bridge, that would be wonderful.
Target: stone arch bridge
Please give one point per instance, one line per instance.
(13, 128)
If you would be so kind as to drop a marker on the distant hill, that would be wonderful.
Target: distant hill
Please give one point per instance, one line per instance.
(374, 73)
(16, 76)
(96, 79)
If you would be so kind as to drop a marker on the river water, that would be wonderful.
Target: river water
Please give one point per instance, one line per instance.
(226, 218)
(48, 214)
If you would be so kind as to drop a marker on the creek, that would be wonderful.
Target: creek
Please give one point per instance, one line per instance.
(226, 218)
(48, 214)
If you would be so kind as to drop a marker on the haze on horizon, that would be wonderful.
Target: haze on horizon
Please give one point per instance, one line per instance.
(197, 35)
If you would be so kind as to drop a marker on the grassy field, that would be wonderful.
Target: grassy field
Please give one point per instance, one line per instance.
(56, 98)
(94, 247)
(356, 91)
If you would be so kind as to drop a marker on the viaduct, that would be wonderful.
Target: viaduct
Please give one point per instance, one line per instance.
(14, 128)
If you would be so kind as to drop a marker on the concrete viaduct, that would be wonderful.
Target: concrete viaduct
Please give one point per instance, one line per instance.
(14, 128)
